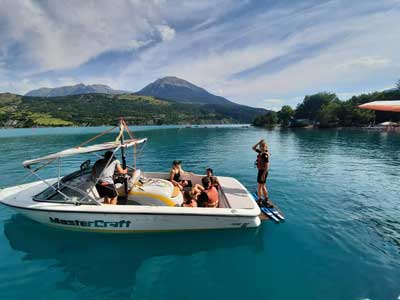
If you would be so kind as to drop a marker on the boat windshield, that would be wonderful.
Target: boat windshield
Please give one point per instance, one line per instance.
(77, 186)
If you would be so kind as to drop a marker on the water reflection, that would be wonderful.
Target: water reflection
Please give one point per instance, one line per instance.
(112, 261)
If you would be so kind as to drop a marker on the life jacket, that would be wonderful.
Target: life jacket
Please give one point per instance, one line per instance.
(212, 194)
(260, 162)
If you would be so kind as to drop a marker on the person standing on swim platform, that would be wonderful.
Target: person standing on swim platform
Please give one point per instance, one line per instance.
(262, 163)
(103, 172)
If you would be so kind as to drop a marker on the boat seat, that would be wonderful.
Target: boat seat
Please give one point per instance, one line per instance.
(223, 202)
(236, 196)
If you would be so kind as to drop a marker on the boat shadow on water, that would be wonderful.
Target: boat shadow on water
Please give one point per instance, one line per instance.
(92, 259)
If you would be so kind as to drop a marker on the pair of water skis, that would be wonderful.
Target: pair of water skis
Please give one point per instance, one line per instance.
(269, 211)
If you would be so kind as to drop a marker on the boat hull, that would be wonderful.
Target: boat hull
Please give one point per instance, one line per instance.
(131, 222)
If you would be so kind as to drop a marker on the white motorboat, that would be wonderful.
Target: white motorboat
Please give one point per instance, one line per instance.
(147, 201)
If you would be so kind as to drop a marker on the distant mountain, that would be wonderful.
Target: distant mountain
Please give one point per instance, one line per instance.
(77, 89)
(179, 90)
(174, 88)
(168, 100)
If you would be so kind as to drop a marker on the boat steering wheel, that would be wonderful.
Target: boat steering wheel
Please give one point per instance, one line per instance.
(85, 165)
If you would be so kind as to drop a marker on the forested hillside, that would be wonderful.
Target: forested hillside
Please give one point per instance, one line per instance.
(103, 109)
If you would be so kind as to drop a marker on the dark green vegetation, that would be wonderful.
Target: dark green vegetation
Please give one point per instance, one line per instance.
(268, 119)
(285, 115)
(103, 109)
(327, 110)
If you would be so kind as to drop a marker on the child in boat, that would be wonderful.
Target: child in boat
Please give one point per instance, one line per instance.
(208, 196)
(202, 200)
(189, 199)
(214, 180)
(198, 188)
(175, 175)
(262, 163)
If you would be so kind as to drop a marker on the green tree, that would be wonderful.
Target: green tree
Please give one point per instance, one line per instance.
(351, 115)
(311, 105)
(379, 116)
(398, 84)
(328, 116)
(268, 119)
(285, 114)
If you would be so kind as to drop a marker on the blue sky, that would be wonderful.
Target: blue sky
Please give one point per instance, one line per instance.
(260, 53)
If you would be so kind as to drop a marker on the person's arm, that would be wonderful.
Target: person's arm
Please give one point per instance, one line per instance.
(120, 170)
(256, 145)
(183, 172)
(197, 189)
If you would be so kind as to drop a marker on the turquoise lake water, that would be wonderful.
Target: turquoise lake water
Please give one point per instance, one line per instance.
(339, 191)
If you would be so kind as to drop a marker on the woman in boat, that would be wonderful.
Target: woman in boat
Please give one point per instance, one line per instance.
(175, 175)
(262, 164)
(189, 199)
(103, 171)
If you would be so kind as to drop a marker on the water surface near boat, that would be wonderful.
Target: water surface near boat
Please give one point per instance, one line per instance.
(339, 191)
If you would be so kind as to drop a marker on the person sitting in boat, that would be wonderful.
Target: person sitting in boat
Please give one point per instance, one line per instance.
(214, 179)
(189, 199)
(202, 200)
(175, 175)
(262, 163)
(103, 171)
(208, 196)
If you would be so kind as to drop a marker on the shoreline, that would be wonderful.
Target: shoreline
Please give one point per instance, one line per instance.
(27, 131)
(137, 125)
(311, 127)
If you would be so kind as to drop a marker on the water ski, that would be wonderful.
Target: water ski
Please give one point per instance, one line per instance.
(276, 213)
(266, 210)
(273, 209)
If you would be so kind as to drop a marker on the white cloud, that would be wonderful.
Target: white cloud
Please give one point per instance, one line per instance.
(135, 44)
(273, 104)
(61, 34)
(167, 33)
(365, 62)
(23, 85)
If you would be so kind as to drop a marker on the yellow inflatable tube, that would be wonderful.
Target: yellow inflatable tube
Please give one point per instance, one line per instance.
(163, 199)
